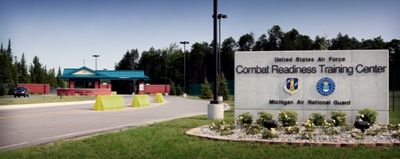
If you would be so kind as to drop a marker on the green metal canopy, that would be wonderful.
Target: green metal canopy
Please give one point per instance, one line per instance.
(87, 73)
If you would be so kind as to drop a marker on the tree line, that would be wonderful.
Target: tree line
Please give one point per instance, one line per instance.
(14, 71)
(166, 65)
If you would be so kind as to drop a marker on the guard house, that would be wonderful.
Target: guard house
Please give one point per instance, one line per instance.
(85, 81)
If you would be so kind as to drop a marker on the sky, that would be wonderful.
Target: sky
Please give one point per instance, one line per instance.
(66, 33)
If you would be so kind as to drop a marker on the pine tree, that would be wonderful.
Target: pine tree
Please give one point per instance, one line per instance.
(52, 78)
(2, 64)
(178, 90)
(6, 66)
(37, 71)
(24, 76)
(16, 70)
(60, 82)
(2, 90)
(11, 87)
(223, 87)
(172, 90)
(206, 92)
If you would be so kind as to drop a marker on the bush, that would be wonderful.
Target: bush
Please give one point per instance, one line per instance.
(222, 128)
(368, 115)
(223, 87)
(264, 116)
(253, 129)
(32, 93)
(338, 118)
(292, 130)
(173, 90)
(206, 91)
(40, 93)
(269, 134)
(3, 90)
(11, 88)
(309, 126)
(244, 120)
(317, 118)
(287, 118)
(179, 91)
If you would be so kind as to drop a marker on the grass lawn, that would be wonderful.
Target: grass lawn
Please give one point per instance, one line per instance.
(47, 99)
(168, 140)
(394, 116)
(396, 94)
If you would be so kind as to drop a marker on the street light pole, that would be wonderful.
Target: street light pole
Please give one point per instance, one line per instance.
(96, 56)
(215, 62)
(184, 65)
(392, 60)
(220, 16)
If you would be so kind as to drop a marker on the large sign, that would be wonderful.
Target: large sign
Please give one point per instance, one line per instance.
(312, 81)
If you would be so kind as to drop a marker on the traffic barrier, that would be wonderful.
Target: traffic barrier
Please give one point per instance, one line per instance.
(140, 101)
(109, 103)
(113, 93)
(159, 98)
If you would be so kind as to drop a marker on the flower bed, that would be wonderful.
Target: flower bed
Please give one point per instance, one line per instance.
(319, 137)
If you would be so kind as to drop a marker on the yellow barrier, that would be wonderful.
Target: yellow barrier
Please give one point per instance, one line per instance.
(113, 93)
(158, 98)
(109, 103)
(140, 101)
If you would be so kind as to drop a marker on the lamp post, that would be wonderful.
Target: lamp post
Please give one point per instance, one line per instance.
(220, 16)
(184, 66)
(215, 58)
(96, 56)
(392, 60)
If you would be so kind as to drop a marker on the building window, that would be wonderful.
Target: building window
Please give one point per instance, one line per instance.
(84, 84)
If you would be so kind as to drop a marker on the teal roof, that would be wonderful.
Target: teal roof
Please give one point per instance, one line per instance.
(87, 73)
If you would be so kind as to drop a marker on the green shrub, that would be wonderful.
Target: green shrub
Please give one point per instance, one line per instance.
(357, 135)
(179, 91)
(317, 118)
(11, 88)
(32, 93)
(172, 90)
(393, 126)
(309, 126)
(306, 136)
(206, 91)
(245, 120)
(253, 129)
(347, 127)
(264, 116)
(269, 134)
(222, 128)
(338, 118)
(396, 134)
(292, 130)
(3, 90)
(331, 131)
(40, 93)
(368, 115)
(373, 132)
(287, 118)
(223, 87)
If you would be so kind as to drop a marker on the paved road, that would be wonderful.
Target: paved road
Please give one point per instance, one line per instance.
(27, 125)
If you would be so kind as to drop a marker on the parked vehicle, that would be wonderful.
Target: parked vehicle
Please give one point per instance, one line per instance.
(21, 91)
